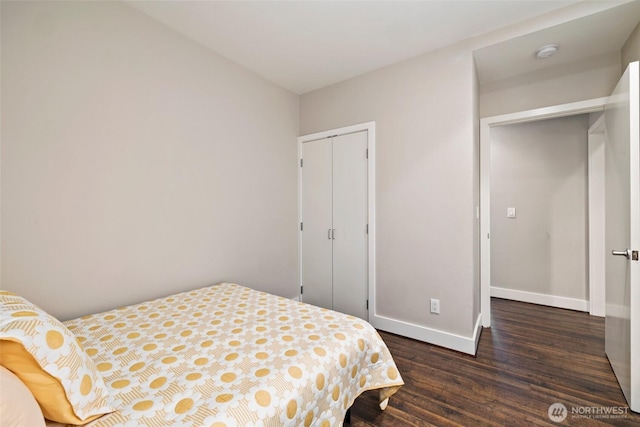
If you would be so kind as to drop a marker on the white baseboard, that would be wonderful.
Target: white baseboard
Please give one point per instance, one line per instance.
(542, 299)
(477, 331)
(467, 345)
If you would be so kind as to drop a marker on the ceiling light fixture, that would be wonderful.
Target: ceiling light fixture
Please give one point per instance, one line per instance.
(546, 51)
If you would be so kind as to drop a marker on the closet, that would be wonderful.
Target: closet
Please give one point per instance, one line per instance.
(334, 240)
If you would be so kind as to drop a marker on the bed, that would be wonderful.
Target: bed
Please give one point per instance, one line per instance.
(223, 355)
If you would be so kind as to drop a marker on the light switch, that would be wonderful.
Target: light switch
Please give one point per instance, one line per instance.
(511, 212)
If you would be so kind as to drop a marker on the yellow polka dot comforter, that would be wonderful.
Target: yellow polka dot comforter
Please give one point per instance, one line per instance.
(227, 355)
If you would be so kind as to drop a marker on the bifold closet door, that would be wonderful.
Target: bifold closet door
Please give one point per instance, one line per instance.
(350, 224)
(317, 207)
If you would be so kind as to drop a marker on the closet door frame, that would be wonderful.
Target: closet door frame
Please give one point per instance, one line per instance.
(370, 127)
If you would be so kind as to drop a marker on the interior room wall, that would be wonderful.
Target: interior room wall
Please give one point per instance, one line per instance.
(427, 172)
(631, 48)
(590, 78)
(136, 163)
(540, 168)
(424, 113)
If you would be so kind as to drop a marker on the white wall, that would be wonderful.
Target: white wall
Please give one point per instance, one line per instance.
(426, 181)
(577, 81)
(631, 48)
(540, 168)
(426, 113)
(136, 163)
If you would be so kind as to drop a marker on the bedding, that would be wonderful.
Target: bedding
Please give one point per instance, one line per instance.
(227, 355)
(50, 362)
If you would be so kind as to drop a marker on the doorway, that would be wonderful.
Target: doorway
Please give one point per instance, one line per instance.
(486, 124)
(539, 212)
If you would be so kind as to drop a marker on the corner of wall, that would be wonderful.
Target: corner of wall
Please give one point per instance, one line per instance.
(476, 191)
(463, 344)
(631, 49)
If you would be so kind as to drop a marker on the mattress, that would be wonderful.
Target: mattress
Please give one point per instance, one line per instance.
(227, 355)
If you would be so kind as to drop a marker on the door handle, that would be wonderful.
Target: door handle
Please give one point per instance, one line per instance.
(333, 234)
(329, 234)
(625, 253)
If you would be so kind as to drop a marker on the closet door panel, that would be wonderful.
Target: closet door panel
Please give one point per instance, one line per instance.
(350, 222)
(316, 218)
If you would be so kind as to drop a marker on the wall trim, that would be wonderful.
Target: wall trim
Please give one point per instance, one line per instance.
(477, 331)
(468, 345)
(541, 299)
(596, 221)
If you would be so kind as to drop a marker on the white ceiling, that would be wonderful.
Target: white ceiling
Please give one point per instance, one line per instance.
(306, 45)
(581, 38)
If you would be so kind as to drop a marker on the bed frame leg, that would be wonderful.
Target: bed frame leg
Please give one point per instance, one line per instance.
(347, 417)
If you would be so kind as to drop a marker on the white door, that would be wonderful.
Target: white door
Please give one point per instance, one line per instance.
(350, 224)
(622, 234)
(317, 213)
(334, 223)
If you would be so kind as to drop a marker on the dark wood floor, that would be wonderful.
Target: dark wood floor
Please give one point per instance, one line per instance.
(531, 357)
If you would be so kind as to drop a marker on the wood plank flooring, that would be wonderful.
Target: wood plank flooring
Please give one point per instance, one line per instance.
(531, 357)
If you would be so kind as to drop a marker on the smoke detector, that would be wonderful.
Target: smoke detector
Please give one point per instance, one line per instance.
(546, 51)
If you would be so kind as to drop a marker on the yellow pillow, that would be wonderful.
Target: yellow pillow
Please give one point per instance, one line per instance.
(17, 405)
(50, 361)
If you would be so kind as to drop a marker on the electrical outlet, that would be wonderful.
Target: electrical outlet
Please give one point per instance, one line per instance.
(435, 306)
